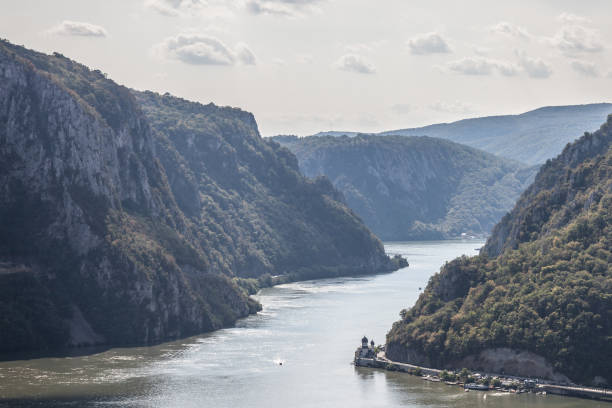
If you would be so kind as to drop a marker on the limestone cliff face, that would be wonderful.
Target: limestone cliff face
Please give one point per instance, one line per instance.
(117, 232)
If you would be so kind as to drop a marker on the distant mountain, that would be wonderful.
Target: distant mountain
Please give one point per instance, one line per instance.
(411, 188)
(531, 137)
(337, 133)
(537, 301)
(128, 217)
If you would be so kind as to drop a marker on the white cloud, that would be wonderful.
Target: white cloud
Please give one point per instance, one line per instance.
(585, 68)
(288, 8)
(535, 67)
(609, 74)
(165, 7)
(510, 30)
(212, 10)
(451, 107)
(574, 39)
(245, 55)
(201, 49)
(507, 68)
(471, 66)
(355, 63)
(570, 18)
(77, 28)
(483, 66)
(429, 43)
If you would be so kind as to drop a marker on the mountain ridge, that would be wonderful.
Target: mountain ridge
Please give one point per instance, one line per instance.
(530, 137)
(116, 232)
(416, 187)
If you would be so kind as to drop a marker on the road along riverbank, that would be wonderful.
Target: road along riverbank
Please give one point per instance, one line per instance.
(482, 381)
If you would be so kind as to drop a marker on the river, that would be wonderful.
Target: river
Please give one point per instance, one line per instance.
(311, 327)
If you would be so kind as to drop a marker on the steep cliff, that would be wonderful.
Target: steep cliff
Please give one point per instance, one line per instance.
(542, 286)
(115, 232)
(249, 188)
(407, 188)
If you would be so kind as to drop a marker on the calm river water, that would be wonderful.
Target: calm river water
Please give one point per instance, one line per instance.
(311, 327)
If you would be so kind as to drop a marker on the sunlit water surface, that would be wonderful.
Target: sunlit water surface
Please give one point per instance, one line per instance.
(312, 328)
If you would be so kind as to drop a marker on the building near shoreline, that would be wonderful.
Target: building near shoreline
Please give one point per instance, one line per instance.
(366, 350)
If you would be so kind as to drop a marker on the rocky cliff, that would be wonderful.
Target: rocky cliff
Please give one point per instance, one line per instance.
(125, 221)
(541, 286)
(410, 188)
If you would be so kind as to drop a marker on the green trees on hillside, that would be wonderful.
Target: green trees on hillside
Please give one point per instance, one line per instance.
(551, 295)
(408, 188)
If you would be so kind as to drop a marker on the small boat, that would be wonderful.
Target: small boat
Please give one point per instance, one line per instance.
(476, 387)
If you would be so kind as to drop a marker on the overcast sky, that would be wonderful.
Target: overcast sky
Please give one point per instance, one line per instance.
(303, 66)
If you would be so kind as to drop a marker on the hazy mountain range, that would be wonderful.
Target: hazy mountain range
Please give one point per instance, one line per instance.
(531, 137)
(412, 188)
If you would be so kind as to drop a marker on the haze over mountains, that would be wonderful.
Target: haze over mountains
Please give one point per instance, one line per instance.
(414, 188)
(531, 137)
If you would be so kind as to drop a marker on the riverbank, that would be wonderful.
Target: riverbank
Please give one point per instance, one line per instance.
(485, 381)
(253, 285)
(306, 325)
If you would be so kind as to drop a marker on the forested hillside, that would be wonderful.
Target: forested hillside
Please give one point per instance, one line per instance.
(541, 285)
(410, 188)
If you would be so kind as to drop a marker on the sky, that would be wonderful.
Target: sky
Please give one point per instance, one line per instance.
(304, 66)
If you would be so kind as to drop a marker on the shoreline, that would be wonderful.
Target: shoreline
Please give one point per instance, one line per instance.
(518, 384)
(249, 286)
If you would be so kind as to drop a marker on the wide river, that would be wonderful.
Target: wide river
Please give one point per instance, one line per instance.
(312, 328)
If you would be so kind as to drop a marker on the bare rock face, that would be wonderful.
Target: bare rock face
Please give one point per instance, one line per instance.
(515, 362)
